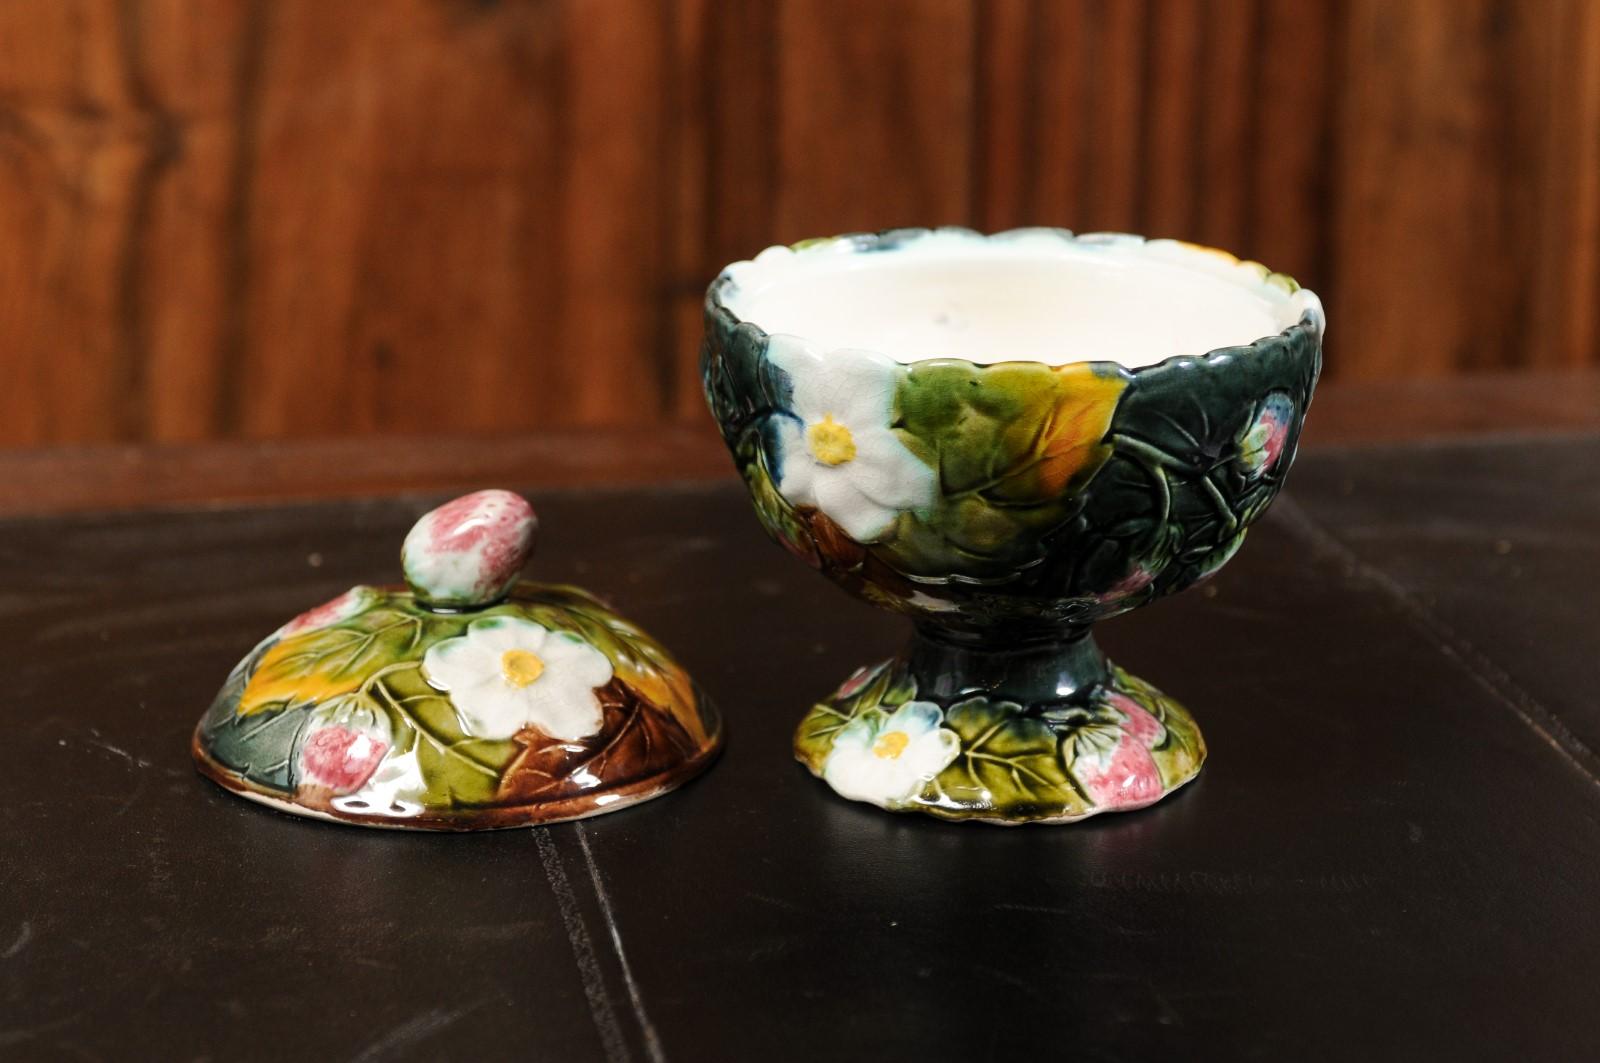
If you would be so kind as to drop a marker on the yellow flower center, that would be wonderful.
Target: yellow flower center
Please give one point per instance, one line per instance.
(831, 442)
(520, 667)
(890, 745)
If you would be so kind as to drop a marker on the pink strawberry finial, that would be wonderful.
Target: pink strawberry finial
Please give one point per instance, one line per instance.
(470, 551)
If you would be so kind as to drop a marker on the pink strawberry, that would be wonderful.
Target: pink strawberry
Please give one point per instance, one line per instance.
(858, 679)
(340, 759)
(1127, 778)
(350, 603)
(1277, 435)
(1134, 582)
(1262, 444)
(1140, 723)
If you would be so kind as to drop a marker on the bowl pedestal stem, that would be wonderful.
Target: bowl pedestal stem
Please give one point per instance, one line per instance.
(1061, 667)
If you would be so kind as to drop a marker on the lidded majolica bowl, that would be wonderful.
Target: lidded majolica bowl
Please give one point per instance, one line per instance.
(467, 699)
(1006, 439)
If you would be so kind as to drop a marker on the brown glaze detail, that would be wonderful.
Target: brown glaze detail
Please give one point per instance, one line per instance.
(636, 741)
(531, 813)
(837, 548)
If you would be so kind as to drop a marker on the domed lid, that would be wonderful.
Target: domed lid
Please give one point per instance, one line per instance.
(469, 699)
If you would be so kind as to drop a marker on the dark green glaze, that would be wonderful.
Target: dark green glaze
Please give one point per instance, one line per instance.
(1065, 495)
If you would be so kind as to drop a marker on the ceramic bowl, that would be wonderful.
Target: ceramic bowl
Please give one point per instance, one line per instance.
(1006, 439)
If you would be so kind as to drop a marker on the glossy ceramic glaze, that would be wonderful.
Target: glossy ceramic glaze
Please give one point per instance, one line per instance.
(1003, 503)
(470, 699)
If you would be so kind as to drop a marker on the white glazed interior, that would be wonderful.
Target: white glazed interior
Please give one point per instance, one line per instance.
(1036, 295)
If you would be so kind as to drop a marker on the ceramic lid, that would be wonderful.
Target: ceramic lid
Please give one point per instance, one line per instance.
(467, 699)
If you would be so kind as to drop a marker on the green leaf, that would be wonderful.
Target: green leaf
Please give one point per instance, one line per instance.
(1009, 762)
(226, 704)
(899, 687)
(1014, 444)
(889, 686)
(1016, 432)
(323, 664)
(458, 769)
(775, 513)
(259, 747)
(813, 739)
(1097, 737)
(1180, 754)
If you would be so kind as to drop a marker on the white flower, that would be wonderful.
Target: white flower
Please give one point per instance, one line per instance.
(887, 760)
(837, 452)
(505, 674)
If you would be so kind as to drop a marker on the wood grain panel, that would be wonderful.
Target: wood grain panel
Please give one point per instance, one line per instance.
(1115, 60)
(1564, 307)
(1288, 222)
(685, 170)
(724, 140)
(1441, 237)
(874, 115)
(490, 210)
(1178, 105)
(1418, 138)
(280, 218)
(115, 132)
(1229, 143)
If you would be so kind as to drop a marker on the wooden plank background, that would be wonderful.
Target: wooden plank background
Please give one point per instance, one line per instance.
(272, 218)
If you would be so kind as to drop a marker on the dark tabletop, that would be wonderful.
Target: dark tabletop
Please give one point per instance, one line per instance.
(1391, 853)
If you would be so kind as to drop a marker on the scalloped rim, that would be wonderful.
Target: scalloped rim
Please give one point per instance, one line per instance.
(1279, 288)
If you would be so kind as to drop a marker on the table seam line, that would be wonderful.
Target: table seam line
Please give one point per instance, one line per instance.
(652, 1039)
(1462, 652)
(601, 1011)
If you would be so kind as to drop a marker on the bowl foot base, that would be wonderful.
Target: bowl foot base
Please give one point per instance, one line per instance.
(1045, 734)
